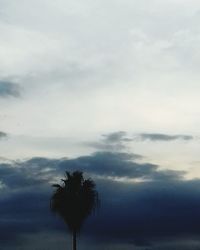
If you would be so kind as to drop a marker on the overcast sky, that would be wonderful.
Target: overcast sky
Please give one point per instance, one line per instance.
(72, 71)
(120, 76)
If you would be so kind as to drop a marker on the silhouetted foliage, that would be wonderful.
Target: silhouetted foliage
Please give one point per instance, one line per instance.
(74, 201)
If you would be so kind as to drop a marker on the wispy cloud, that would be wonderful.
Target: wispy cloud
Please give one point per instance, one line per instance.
(115, 141)
(120, 140)
(163, 137)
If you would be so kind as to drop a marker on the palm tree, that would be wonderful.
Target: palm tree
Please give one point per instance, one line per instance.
(74, 201)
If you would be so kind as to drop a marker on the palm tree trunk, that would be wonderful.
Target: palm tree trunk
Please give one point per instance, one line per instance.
(74, 240)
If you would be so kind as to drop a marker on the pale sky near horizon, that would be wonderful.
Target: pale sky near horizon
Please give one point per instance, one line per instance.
(71, 71)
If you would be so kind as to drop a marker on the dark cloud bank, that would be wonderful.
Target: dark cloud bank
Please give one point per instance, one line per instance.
(161, 208)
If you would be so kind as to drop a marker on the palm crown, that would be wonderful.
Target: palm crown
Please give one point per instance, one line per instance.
(74, 200)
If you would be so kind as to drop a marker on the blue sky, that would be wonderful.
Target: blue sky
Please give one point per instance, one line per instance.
(81, 80)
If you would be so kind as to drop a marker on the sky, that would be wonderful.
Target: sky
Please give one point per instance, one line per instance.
(110, 88)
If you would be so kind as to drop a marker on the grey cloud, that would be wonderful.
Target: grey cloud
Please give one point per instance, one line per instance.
(114, 141)
(3, 135)
(117, 165)
(102, 164)
(9, 89)
(163, 137)
(118, 141)
(116, 137)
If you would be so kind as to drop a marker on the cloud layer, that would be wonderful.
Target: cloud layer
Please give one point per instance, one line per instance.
(160, 206)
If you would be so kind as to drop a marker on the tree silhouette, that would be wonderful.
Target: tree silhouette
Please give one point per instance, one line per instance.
(74, 201)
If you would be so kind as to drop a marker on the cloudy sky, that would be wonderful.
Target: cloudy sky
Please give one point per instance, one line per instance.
(113, 84)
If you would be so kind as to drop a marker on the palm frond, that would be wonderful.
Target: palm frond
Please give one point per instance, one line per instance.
(76, 200)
